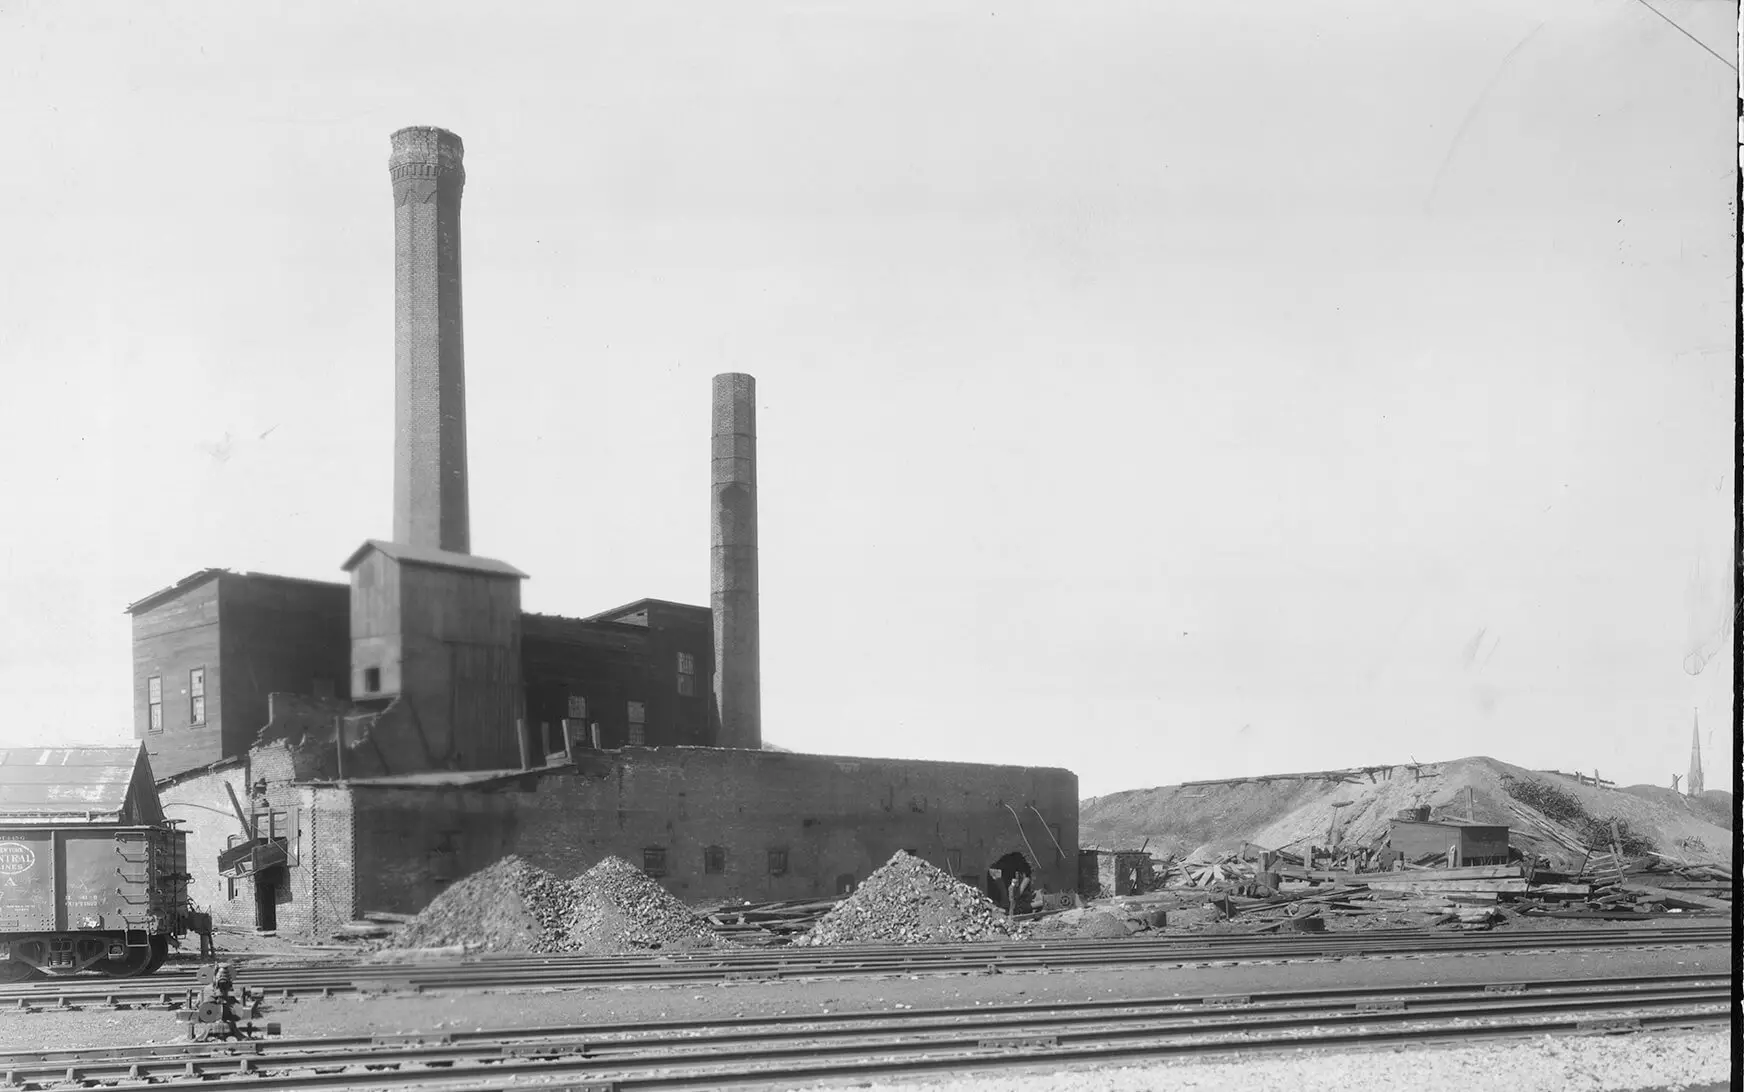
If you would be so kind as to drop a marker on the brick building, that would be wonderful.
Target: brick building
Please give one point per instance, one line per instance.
(337, 749)
(709, 823)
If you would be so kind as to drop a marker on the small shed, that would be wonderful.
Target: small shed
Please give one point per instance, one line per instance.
(1114, 872)
(94, 784)
(1475, 843)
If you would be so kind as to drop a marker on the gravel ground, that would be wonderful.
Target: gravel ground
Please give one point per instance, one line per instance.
(631, 1004)
(1689, 1061)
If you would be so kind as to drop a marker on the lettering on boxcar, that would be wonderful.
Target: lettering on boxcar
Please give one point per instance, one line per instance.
(16, 858)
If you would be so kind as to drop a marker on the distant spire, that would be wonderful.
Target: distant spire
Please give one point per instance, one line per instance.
(1694, 781)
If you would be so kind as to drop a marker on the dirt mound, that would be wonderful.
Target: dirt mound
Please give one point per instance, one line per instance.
(908, 901)
(617, 908)
(1713, 806)
(509, 906)
(1206, 819)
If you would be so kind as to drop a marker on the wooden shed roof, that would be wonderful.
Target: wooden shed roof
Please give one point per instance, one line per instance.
(439, 559)
(114, 783)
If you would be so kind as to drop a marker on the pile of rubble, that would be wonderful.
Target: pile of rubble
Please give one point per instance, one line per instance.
(617, 908)
(514, 906)
(908, 901)
(1310, 893)
(511, 906)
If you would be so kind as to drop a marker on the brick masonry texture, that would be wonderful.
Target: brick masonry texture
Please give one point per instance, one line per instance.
(203, 807)
(393, 845)
(733, 562)
(430, 481)
(828, 818)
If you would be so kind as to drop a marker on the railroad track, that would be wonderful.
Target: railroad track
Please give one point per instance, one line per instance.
(559, 972)
(714, 1054)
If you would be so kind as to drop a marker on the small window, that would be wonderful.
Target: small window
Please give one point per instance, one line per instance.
(687, 686)
(372, 680)
(778, 862)
(638, 716)
(154, 702)
(654, 860)
(714, 860)
(577, 707)
(686, 664)
(686, 675)
(197, 696)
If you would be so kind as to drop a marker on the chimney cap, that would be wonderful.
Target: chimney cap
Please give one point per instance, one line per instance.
(425, 149)
(427, 131)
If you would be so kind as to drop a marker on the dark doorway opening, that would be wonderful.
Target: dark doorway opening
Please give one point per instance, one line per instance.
(266, 899)
(1008, 876)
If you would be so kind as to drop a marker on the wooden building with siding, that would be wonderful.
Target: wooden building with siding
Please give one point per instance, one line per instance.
(208, 649)
(439, 635)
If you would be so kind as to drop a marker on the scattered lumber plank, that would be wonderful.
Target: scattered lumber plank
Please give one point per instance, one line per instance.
(1563, 889)
(1687, 900)
(1434, 886)
(1473, 872)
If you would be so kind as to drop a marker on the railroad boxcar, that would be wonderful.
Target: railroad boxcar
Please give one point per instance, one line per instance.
(92, 877)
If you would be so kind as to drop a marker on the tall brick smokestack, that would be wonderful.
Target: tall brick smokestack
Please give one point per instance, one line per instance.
(430, 504)
(733, 564)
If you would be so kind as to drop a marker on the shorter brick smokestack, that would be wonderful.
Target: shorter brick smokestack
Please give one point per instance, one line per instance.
(733, 562)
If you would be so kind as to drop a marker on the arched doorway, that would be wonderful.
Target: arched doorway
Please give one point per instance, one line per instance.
(1012, 868)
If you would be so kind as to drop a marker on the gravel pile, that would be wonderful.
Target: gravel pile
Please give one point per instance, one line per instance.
(615, 907)
(908, 901)
(511, 906)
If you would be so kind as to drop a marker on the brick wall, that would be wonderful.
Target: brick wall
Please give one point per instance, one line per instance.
(831, 817)
(273, 773)
(199, 801)
(331, 891)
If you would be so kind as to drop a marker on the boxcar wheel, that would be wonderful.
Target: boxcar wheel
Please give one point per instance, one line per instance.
(160, 951)
(16, 971)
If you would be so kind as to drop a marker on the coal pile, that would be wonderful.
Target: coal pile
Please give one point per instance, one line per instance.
(908, 901)
(511, 906)
(615, 907)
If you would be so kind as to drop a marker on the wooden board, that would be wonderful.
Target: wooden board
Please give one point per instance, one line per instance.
(1687, 899)
(1426, 887)
(1475, 872)
(1581, 889)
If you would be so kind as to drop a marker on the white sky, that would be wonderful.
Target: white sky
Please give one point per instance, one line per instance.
(1162, 390)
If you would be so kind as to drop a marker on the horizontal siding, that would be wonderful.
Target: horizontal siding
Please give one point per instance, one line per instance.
(169, 640)
(279, 636)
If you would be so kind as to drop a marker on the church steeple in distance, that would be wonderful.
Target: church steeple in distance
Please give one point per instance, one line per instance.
(1693, 785)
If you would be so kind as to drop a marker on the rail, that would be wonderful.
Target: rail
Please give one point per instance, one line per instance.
(714, 1054)
(712, 965)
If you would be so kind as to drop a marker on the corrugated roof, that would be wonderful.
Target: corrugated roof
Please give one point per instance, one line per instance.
(76, 780)
(441, 559)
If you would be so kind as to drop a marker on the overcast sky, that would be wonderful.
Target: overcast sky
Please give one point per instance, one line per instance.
(1160, 390)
